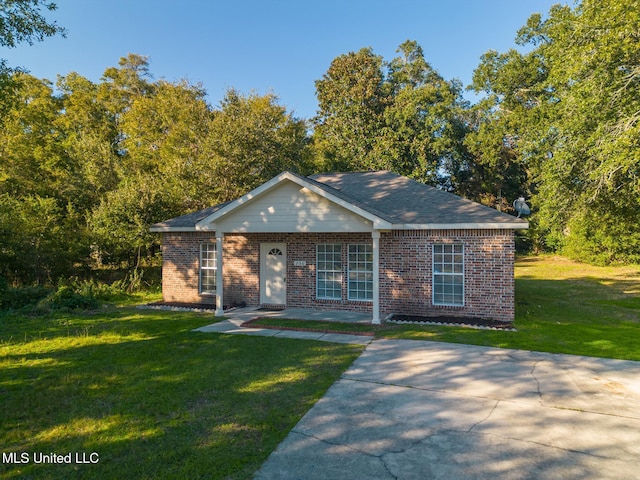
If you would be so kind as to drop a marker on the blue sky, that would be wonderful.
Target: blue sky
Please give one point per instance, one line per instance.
(279, 46)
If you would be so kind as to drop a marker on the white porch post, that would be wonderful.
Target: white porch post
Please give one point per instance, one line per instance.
(219, 285)
(375, 235)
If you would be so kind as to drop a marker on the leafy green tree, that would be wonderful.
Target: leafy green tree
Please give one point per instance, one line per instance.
(251, 139)
(423, 122)
(90, 137)
(86, 170)
(119, 225)
(591, 183)
(21, 21)
(501, 123)
(39, 240)
(495, 174)
(351, 102)
(43, 230)
(571, 106)
(32, 161)
(402, 116)
(166, 135)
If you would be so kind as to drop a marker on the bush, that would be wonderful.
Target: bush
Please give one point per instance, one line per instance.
(15, 298)
(70, 294)
(68, 297)
(601, 239)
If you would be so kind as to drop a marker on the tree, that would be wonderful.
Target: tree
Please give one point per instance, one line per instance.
(252, 139)
(39, 240)
(119, 225)
(166, 134)
(351, 102)
(84, 171)
(90, 137)
(591, 180)
(501, 123)
(571, 107)
(32, 161)
(21, 21)
(401, 116)
(40, 186)
(423, 122)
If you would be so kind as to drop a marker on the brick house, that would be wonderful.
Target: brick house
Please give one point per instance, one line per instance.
(374, 242)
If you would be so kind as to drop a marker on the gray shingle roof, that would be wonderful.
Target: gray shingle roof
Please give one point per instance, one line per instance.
(396, 199)
(188, 221)
(401, 200)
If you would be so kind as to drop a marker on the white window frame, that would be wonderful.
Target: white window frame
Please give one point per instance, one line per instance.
(208, 267)
(324, 274)
(448, 273)
(360, 272)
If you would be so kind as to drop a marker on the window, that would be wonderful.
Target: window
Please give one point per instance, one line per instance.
(448, 274)
(208, 268)
(329, 271)
(361, 272)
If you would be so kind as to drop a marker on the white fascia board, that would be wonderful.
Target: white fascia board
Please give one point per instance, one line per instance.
(461, 226)
(210, 227)
(378, 223)
(171, 229)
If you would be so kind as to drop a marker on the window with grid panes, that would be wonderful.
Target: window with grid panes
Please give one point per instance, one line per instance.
(208, 268)
(448, 274)
(329, 271)
(361, 272)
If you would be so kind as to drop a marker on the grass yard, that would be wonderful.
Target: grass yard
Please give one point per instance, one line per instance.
(148, 396)
(141, 393)
(561, 307)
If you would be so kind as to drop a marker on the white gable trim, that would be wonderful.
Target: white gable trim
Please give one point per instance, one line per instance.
(208, 223)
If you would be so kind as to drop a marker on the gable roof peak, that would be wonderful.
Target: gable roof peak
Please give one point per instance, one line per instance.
(389, 200)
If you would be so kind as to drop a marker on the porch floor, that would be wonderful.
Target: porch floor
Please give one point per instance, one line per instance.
(247, 313)
(235, 318)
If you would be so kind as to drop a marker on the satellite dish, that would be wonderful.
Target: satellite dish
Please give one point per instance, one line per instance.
(521, 207)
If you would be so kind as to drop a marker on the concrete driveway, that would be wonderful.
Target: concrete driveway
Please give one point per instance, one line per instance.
(422, 410)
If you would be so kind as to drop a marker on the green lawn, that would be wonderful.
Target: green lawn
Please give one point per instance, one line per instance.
(155, 400)
(152, 398)
(561, 307)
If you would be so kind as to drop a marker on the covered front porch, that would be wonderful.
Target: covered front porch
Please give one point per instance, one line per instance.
(293, 244)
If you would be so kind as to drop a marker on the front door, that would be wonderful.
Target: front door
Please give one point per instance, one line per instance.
(273, 273)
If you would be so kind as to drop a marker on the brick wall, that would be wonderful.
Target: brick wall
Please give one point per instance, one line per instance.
(242, 268)
(405, 270)
(406, 273)
(180, 263)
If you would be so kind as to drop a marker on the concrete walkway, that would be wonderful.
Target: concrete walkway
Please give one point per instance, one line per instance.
(237, 317)
(426, 410)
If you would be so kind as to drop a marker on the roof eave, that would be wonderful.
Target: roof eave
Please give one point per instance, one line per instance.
(168, 228)
(462, 226)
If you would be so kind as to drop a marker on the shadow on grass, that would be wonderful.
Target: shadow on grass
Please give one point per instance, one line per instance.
(155, 400)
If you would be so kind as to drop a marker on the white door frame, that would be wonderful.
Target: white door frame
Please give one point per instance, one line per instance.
(267, 276)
